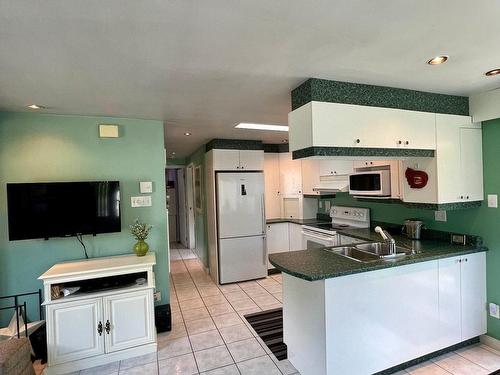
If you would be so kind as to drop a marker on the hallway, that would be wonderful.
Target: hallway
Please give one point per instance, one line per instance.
(209, 332)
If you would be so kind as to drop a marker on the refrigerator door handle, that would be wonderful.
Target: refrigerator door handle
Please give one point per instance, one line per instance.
(262, 205)
(264, 250)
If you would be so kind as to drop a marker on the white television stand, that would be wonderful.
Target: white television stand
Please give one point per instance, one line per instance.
(111, 318)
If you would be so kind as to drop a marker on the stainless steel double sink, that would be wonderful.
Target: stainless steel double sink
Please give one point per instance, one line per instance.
(369, 252)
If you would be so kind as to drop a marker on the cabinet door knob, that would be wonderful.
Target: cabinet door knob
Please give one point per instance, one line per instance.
(366, 163)
(407, 143)
(108, 327)
(399, 142)
(460, 261)
(358, 140)
(466, 259)
(99, 328)
(467, 197)
(461, 197)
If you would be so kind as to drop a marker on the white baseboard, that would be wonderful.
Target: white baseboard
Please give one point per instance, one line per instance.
(491, 342)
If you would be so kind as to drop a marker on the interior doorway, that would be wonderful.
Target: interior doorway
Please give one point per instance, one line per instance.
(180, 205)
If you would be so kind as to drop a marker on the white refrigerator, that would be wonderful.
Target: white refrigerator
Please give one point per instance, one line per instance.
(241, 226)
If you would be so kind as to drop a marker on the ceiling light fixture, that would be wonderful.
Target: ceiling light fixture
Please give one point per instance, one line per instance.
(187, 134)
(441, 59)
(34, 106)
(492, 72)
(278, 128)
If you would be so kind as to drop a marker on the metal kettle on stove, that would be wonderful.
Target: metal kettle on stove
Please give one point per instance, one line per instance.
(412, 228)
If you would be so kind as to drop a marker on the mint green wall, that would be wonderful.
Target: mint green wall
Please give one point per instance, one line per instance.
(39, 147)
(198, 159)
(482, 221)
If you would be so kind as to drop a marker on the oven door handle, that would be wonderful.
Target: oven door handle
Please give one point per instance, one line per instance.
(318, 236)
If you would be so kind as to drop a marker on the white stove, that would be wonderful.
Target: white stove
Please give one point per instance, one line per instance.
(322, 235)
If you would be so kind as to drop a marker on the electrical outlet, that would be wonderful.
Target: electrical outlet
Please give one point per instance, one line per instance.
(440, 215)
(144, 201)
(157, 296)
(492, 200)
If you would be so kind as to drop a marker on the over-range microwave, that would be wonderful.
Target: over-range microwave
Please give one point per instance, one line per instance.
(375, 183)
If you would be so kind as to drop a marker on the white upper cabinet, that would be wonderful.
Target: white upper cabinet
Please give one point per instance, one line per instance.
(324, 124)
(272, 185)
(310, 176)
(252, 160)
(237, 160)
(332, 167)
(456, 172)
(290, 175)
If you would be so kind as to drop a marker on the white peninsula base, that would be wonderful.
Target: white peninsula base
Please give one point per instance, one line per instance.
(368, 322)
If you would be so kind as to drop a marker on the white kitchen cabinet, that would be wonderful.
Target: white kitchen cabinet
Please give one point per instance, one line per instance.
(333, 167)
(252, 160)
(277, 239)
(456, 172)
(272, 185)
(99, 326)
(130, 320)
(471, 162)
(73, 330)
(322, 124)
(473, 297)
(295, 236)
(462, 298)
(236, 160)
(290, 175)
(310, 176)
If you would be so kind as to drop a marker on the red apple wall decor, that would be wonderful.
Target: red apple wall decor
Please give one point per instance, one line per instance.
(416, 179)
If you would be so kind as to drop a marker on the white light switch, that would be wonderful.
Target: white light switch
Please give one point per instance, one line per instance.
(492, 200)
(144, 201)
(494, 310)
(440, 215)
(145, 187)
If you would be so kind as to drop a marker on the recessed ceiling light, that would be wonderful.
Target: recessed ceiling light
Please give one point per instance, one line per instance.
(278, 128)
(441, 59)
(187, 134)
(34, 106)
(492, 72)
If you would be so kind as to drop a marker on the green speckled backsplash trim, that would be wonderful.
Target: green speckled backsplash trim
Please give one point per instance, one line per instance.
(323, 90)
(276, 147)
(361, 151)
(233, 144)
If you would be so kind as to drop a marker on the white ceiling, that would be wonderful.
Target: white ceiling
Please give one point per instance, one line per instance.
(205, 65)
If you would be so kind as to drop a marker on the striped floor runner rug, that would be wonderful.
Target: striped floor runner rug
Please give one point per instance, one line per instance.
(269, 326)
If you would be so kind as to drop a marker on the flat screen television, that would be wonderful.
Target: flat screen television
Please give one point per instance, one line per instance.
(62, 209)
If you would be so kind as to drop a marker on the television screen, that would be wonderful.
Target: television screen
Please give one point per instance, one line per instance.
(59, 209)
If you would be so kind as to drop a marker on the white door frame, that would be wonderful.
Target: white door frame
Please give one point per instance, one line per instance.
(191, 235)
(182, 206)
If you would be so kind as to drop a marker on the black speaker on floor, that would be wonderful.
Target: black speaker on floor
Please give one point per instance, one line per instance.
(163, 318)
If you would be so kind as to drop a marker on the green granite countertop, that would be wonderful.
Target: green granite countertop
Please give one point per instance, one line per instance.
(295, 221)
(319, 264)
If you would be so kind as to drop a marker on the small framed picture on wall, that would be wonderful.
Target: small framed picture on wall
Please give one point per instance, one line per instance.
(198, 194)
